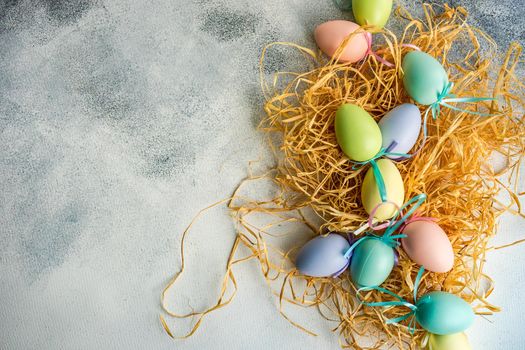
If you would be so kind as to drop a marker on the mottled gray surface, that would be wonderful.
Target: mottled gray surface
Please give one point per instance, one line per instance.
(118, 121)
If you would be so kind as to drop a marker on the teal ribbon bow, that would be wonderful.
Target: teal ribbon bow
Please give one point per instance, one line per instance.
(388, 237)
(377, 172)
(395, 223)
(443, 98)
(399, 302)
(390, 240)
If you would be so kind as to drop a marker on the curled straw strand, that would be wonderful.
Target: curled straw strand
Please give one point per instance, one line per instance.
(314, 176)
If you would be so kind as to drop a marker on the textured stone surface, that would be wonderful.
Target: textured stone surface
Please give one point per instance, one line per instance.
(118, 121)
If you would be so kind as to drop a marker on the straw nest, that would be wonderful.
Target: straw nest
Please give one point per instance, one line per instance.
(466, 193)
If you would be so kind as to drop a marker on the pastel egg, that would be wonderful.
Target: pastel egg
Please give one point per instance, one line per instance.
(323, 256)
(357, 133)
(443, 313)
(395, 190)
(428, 245)
(400, 127)
(456, 341)
(329, 36)
(372, 262)
(424, 77)
(372, 12)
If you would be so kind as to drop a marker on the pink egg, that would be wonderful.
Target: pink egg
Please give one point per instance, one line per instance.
(330, 35)
(428, 245)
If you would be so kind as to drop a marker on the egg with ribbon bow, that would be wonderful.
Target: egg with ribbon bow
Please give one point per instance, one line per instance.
(400, 129)
(393, 187)
(329, 36)
(372, 12)
(437, 312)
(324, 256)
(428, 245)
(443, 313)
(357, 133)
(424, 77)
(372, 262)
(374, 256)
(455, 341)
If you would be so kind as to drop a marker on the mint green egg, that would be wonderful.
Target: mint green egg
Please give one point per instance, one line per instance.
(424, 77)
(357, 133)
(372, 12)
(372, 262)
(443, 313)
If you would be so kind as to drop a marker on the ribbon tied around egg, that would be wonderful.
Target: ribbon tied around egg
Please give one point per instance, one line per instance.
(426, 81)
(388, 236)
(377, 172)
(373, 256)
(443, 98)
(399, 302)
(437, 312)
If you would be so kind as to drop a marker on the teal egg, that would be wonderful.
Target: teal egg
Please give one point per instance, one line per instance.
(372, 262)
(424, 77)
(443, 313)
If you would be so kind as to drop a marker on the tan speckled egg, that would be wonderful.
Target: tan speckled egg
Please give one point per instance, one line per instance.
(428, 245)
(330, 35)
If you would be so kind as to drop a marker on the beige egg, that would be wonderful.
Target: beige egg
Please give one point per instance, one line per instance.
(330, 35)
(428, 245)
(395, 190)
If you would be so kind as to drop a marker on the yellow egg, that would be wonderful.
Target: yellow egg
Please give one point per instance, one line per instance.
(395, 190)
(456, 341)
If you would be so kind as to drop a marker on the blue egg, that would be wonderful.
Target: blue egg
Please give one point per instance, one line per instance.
(443, 313)
(323, 256)
(400, 127)
(372, 262)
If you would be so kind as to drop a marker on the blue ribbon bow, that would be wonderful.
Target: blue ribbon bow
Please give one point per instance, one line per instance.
(399, 302)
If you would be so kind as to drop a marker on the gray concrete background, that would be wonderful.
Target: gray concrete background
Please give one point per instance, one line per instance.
(118, 121)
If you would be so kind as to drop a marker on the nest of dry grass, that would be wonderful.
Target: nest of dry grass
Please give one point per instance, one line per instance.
(466, 193)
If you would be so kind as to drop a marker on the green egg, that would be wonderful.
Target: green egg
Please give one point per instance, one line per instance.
(357, 133)
(372, 262)
(443, 313)
(424, 77)
(372, 12)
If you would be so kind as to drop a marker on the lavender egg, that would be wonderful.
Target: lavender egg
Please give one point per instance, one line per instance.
(400, 128)
(323, 256)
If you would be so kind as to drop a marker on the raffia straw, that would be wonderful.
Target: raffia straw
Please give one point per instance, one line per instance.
(452, 169)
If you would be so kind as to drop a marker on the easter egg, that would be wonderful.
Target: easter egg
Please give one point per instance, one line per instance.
(456, 341)
(424, 77)
(372, 12)
(395, 190)
(323, 256)
(372, 262)
(400, 127)
(330, 35)
(428, 245)
(357, 133)
(443, 313)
